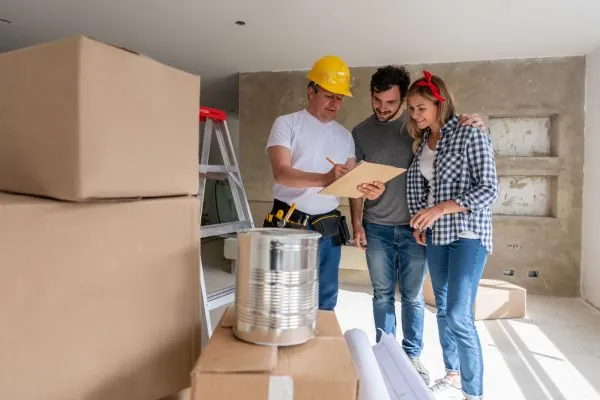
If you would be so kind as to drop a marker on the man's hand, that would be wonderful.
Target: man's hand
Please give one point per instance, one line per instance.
(360, 238)
(420, 237)
(284, 174)
(425, 218)
(372, 191)
(336, 173)
(471, 119)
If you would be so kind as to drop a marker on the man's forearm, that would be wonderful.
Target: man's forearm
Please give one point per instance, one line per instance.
(295, 178)
(356, 209)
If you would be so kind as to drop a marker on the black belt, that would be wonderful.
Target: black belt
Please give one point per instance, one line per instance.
(331, 224)
(299, 216)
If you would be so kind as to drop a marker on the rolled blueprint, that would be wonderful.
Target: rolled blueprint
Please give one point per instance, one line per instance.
(372, 385)
(401, 378)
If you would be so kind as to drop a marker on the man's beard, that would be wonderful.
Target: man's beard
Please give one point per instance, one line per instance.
(389, 116)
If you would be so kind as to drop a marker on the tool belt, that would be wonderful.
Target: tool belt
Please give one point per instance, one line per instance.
(332, 224)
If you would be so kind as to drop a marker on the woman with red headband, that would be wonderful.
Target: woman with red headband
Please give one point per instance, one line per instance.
(451, 186)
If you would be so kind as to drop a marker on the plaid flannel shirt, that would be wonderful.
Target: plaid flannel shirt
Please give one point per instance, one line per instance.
(464, 171)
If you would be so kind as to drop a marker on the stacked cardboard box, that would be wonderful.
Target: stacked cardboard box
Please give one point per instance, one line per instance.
(99, 225)
(321, 368)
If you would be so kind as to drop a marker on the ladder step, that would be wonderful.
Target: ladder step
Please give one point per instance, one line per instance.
(203, 169)
(221, 297)
(221, 229)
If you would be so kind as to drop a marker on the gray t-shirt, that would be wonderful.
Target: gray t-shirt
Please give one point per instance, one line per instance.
(386, 143)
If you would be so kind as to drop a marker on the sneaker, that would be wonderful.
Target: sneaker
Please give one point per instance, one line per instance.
(416, 362)
(445, 389)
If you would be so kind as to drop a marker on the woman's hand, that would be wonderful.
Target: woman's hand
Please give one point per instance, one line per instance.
(420, 237)
(427, 217)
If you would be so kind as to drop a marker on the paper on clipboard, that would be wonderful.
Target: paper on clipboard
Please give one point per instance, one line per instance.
(363, 172)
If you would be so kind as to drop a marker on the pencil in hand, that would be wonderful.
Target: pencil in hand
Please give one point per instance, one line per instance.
(339, 170)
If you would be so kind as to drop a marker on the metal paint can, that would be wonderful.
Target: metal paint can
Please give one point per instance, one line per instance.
(276, 300)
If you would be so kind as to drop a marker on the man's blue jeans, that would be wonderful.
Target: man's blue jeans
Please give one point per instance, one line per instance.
(455, 271)
(394, 256)
(329, 267)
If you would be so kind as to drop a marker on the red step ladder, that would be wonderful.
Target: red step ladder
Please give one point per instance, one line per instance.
(216, 124)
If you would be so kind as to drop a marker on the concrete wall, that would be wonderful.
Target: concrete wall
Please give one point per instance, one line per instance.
(535, 109)
(590, 269)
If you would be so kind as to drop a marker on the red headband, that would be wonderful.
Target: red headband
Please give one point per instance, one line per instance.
(427, 83)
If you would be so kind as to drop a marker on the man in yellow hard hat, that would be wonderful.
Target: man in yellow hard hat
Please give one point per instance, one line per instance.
(300, 147)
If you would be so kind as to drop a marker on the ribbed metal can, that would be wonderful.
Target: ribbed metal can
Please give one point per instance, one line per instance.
(276, 298)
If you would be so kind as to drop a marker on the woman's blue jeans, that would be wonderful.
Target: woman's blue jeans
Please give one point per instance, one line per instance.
(455, 271)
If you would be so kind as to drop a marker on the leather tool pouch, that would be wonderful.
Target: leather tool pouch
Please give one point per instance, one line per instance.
(271, 220)
(326, 225)
(344, 231)
(272, 224)
(332, 225)
(289, 224)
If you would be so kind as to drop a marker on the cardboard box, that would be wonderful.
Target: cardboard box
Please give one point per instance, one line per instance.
(98, 301)
(495, 299)
(80, 120)
(319, 369)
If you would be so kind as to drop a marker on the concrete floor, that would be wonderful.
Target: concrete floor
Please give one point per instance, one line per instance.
(552, 354)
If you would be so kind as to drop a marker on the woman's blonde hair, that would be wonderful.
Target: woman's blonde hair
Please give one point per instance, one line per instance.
(431, 87)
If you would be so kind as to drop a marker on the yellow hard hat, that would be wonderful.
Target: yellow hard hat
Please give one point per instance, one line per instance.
(332, 74)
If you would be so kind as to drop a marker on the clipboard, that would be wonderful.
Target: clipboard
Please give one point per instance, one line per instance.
(363, 172)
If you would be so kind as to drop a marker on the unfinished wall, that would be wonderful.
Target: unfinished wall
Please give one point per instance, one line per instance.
(590, 266)
(535, 111)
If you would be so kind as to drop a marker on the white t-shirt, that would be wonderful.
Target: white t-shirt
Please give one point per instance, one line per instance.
(426, 167)
(311, 142)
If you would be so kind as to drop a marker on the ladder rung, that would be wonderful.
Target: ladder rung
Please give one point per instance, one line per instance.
(230, 298)
(221, 297)
(221, 229)
(216, 168)
(220, 293)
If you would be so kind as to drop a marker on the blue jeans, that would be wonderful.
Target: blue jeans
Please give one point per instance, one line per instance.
(393, 256)
(329, 267)
(455, 271)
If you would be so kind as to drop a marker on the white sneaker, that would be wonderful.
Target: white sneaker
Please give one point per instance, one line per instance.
(445, 389)
(416, 362)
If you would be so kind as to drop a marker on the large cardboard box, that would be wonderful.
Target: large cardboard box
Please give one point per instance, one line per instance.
(495, 299)
(80, 119)
(322, 368)
(98, 301)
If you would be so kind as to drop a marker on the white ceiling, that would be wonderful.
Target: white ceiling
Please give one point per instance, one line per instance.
(200, 35)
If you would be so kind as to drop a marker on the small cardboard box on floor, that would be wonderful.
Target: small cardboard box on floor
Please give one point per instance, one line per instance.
(81, 120)
(322, 368)
(495, 299)
(98, 300)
